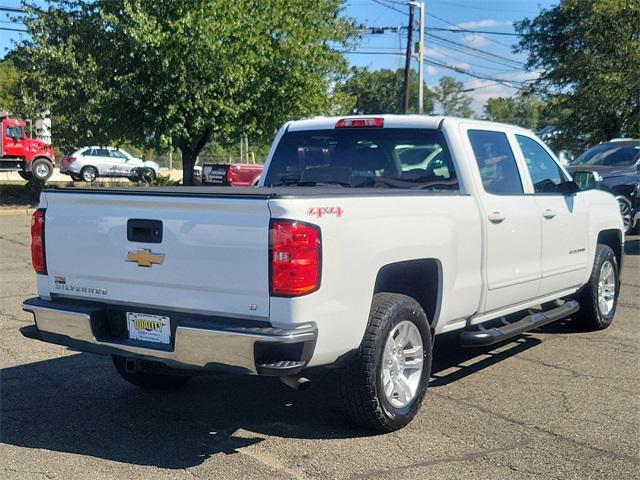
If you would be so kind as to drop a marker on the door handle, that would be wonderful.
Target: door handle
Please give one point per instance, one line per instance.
(548, 213)
(496, 217)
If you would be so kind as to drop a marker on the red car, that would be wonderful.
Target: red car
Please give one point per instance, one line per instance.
(232, 174)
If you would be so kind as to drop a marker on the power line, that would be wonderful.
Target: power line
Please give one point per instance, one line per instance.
(379, 2)
(7, 29)
(11, 9)
(476, 49)
(478, 56)
(465, 30)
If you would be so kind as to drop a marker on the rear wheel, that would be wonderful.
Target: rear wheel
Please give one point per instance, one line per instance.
(383, 384)
(89, 174)
(42, 169)
(146, 379)
(599, 297)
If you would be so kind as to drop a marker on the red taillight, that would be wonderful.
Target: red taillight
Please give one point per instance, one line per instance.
(38, 257)
(360, 122)
(71, 159)
(295, 258)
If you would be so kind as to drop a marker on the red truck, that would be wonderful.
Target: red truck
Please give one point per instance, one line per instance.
(28, 156)
(232, 174)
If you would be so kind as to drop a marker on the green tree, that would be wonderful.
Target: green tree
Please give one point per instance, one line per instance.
(525, 109)
(379, 91)
(589, 54)
(449, 95)
(142, 71)
(9, 82)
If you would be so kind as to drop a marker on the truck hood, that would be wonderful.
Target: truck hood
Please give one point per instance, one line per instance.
(38, 146)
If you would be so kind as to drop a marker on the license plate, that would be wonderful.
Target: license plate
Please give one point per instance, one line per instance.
(149, 328)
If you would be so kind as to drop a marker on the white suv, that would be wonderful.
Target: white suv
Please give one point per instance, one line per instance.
(89, 163)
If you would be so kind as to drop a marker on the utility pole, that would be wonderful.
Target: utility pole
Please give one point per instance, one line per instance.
(407, 63)
(420, 5)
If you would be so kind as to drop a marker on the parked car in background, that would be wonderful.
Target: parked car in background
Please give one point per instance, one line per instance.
(615, 167)
(89, 163)
(232, 174)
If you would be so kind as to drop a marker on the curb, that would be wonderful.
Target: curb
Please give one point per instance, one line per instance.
(16, 211)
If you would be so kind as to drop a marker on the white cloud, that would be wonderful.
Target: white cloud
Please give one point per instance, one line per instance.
(431, 70)
(489, 22)
(481, 95)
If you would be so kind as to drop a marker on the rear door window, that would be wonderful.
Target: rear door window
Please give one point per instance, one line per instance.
(361, 157)
(497, 165)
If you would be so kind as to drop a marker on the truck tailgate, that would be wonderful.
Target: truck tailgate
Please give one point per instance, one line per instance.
(213, 252)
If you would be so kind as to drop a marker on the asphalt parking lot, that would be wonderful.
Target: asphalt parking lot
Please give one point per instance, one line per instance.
(557, 403)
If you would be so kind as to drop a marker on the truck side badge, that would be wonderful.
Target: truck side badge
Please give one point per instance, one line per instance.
(324, 211)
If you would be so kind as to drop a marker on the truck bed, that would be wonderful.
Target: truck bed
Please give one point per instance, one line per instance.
(256, 193)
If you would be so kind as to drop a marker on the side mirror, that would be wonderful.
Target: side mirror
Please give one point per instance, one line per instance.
(587, 180)
(568, 188)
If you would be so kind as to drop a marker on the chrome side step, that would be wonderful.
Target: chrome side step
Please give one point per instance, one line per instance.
(486, 337)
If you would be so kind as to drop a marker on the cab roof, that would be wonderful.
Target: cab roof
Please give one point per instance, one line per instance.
(394, 121)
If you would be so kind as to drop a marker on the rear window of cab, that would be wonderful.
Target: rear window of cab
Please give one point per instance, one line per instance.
(363, 158)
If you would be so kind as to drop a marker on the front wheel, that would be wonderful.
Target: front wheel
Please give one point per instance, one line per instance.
(626, 211)
(599, 297)
(383, 384)
(150, 380)
(148, 175)
(42, 169)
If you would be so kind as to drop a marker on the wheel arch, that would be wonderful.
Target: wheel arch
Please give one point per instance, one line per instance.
(615, 240)
(420, 279)
(27, 165)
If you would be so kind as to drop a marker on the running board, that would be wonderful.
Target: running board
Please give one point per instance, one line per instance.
(484, 337)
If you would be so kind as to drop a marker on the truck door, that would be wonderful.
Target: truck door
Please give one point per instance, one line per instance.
(14, 142)
(511, 222)
(565, 221)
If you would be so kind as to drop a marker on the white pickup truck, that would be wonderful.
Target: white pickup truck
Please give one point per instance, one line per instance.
(367, 238)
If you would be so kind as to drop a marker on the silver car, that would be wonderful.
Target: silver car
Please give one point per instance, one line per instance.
(89, 163)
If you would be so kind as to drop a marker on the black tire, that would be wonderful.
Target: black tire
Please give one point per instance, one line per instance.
(76, 178)
(25, 175)
(149, 380)
(590, 316)
(360, 385)
(89, 174)
(42, 169)
(148, 175)
(626, 211)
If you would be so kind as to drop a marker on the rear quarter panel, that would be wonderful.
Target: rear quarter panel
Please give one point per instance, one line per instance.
(372, 232)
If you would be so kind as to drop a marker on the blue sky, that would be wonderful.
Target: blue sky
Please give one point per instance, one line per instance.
(484, 15)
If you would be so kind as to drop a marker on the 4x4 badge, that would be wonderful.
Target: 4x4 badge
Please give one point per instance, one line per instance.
(144, 257)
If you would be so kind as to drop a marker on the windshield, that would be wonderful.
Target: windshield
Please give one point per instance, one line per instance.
(610, 155)
(363, 157)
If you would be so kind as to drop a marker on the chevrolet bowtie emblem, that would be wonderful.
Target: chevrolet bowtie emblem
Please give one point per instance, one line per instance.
(144, 257)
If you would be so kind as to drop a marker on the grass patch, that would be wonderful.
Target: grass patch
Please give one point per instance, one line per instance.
(14, 192)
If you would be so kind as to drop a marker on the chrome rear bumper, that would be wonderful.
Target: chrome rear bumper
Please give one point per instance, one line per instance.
(198, 342)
